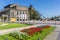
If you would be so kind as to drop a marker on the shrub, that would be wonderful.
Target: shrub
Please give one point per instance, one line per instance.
(19, 35)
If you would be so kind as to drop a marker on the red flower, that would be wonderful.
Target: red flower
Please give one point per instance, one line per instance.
(32, 30)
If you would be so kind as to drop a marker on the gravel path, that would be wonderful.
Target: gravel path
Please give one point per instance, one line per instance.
(6, 31)
(58, 38)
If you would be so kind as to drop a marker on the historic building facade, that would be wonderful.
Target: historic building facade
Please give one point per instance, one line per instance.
(14, 13)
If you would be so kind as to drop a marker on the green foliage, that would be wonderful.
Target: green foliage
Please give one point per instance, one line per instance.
(55, 18)
(34, 15)
(6, 37)
(52, 18)
(19, 35)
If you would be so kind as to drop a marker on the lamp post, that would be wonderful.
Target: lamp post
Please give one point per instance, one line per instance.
(55, 23)
(55, 20)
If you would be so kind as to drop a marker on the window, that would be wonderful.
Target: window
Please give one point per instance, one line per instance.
(17, 18)
(12, 14)
(24, 12)
(21, 12)
(17, 12)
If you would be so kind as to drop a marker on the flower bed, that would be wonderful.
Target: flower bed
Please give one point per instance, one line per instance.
(44, 26)
(41, 36)
(33, 33)
(33, 30)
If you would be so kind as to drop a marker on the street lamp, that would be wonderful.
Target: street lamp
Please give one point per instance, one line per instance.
(55, 21)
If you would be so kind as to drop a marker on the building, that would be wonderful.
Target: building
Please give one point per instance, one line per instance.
(14, 13)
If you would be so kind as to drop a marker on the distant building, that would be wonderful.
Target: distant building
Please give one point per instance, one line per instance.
(14, 13)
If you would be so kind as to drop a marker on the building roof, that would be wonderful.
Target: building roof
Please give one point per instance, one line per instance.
(10, 5)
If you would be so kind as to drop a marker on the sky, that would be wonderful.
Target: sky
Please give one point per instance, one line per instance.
(47, 8)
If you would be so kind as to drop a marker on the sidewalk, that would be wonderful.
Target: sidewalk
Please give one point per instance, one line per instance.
(54, 35)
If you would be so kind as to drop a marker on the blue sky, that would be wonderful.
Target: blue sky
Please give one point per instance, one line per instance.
(47, 8)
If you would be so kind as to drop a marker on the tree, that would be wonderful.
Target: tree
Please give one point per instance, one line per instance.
(34, 15)
(30, 10)
(56, 18)
(52, 18)
(37, 15)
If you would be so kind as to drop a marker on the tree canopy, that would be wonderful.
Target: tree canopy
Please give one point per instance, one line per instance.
(34, 15)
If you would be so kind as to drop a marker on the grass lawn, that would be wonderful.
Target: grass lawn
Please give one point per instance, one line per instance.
(41, 36)
(12, 25)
